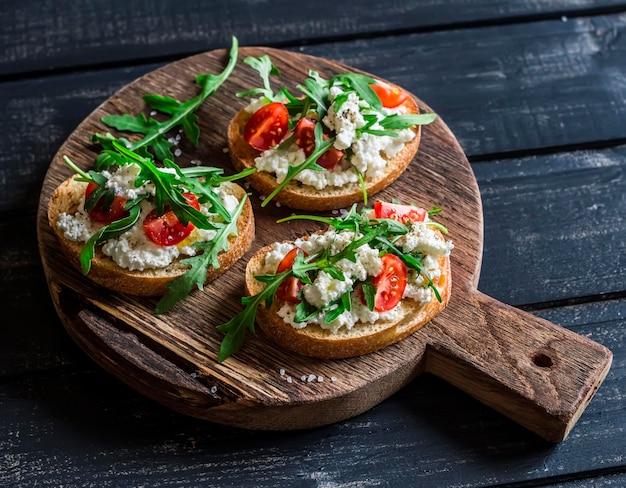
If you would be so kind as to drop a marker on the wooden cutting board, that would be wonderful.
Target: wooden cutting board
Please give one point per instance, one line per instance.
(535, 372)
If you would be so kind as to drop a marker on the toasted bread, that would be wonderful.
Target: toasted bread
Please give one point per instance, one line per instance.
(304, 197)
(363, 338)
(150, 282)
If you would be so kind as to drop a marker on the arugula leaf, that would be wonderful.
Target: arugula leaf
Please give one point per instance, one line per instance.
(180, 287)
(167, 190)
(337, 307)
(361, 84)
(181, 114)
(236, 327)
(114, 229)
(317, 92)
(369, 292)
(381, 234)
(266, 68)
(309, 163)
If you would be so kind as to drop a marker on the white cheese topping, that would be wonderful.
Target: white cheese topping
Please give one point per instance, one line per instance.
(325, 289)
(133, 250)
(368, 153)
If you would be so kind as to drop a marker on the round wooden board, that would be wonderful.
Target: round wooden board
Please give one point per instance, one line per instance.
(171, 358)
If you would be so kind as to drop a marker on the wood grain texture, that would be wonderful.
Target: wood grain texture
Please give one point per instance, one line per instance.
(500, 101)
(429, 434)
(172, 358)
(102, 32)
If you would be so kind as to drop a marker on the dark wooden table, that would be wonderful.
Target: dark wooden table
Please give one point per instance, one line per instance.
(535, 93)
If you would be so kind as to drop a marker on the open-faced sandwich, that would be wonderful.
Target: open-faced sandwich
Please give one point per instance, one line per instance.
(142, 229)
(371, 279)
(343, 138)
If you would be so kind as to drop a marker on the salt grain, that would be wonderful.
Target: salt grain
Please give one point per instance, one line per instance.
(282, 372)
(178, 152)
(214, 389)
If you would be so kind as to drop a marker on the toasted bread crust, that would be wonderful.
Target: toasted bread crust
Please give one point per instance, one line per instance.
(317, 342)
(304, 197)
(153, 282)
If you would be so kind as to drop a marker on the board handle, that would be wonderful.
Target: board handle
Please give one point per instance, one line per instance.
(537, 373)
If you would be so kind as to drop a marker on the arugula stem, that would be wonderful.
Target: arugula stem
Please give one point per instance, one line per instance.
(207, 90)
(295, 170)
(71, 164)
(324, 220)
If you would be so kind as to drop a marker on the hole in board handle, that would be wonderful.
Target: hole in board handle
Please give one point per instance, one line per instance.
(542, 360)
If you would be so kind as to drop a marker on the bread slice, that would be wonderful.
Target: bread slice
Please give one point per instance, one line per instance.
(363, 338)
(152, 282)
(304, 197)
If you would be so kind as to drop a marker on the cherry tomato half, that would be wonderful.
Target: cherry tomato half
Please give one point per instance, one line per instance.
(288, 290)
(102, 214)
(305, 139)
(390, 95)
(401, 213)
(267, 126)
(166, 229)
(389, 283)
(305, 135)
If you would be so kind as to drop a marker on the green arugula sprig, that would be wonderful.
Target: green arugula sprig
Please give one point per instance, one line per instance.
(321, 146)
(199, 264)
(378, 233)
(154, 141)
(169, 188)
(316, 97)
(236, 327)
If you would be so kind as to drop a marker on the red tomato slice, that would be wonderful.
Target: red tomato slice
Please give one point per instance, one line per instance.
(401, 213)
(389, 283)
(267, 126)
(288, 290)
(390, 95)
(305, 139)
(166, 229)
(330, 158)
(305, 135)
(103, 215)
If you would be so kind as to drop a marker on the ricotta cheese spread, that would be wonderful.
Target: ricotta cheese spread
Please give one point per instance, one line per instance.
(324, 289)
(133, 250)
(366, 153)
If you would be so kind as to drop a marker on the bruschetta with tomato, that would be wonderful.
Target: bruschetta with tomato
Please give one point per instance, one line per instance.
(135, 227)
(371, 279)
(328, 147)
